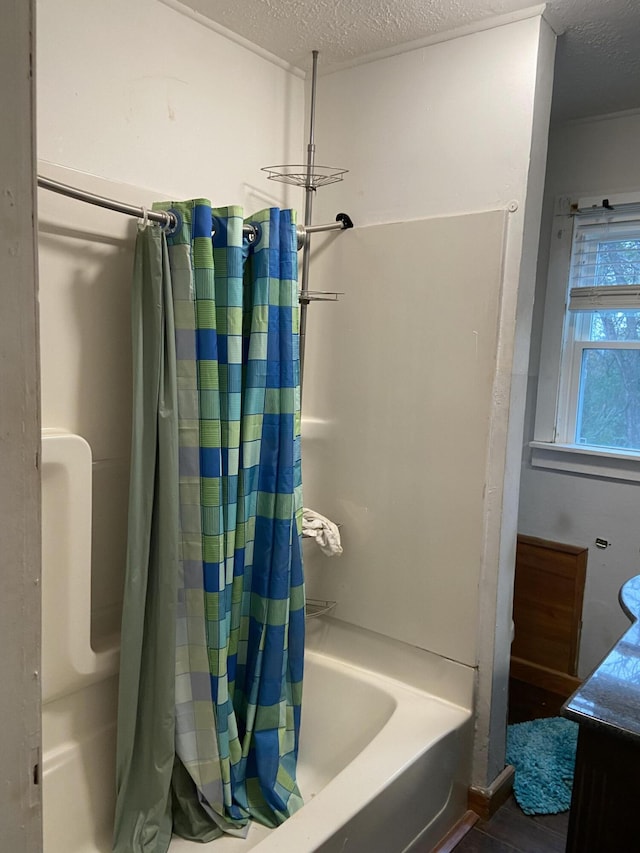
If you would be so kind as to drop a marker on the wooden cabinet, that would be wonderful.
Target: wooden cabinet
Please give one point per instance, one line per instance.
(606, 784)
(547, 615)
(605, 793)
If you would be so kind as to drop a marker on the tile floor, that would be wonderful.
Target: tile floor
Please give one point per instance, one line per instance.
(511, 831)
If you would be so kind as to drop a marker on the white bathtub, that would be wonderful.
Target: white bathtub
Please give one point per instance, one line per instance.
(385, 742)
(383, 763)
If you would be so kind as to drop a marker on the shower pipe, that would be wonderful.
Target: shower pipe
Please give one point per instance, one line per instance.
(308, 208)
(169, 221)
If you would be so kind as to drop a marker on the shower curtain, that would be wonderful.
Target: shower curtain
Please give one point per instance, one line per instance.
(213, 615)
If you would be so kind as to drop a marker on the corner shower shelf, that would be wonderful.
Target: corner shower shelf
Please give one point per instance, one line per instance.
(318, 607)
(298, 175)
(319, 295)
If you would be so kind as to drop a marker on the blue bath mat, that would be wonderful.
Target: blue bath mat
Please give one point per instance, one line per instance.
(543, 753)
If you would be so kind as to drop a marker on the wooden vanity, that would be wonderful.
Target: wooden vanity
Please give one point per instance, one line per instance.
(606, 787)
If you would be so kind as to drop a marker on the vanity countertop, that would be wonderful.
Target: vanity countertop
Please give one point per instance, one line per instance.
(609, 699)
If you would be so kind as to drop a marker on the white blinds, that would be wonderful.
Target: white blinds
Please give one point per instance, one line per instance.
(604, 299)
(605, 263)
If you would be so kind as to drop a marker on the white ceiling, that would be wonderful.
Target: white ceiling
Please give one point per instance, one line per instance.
(598, 57)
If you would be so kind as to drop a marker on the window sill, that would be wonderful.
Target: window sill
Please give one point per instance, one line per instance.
(580, 459)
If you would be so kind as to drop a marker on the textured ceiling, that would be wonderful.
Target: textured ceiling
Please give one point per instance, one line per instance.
(598, 58)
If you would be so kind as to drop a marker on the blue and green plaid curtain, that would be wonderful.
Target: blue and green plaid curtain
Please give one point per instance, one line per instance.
(213, 617)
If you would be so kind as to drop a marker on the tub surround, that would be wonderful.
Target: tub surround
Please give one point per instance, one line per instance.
(606, 788)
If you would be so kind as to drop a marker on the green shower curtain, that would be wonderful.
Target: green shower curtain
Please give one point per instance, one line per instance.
(213, 615)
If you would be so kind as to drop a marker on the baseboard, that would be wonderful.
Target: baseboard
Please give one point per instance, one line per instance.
(456, 833)
(540, 676)
(485, 802)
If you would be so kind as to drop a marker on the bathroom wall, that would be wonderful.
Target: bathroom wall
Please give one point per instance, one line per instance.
(145, 95)
(596, 156)
(146, 104)
(20, 804)
(453, 128)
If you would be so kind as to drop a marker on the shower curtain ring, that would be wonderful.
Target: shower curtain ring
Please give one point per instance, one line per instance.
(145, 218)
(173, 223)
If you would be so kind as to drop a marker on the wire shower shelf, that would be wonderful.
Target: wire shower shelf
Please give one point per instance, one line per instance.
(296, 175)
(318, 607)
(320, 295)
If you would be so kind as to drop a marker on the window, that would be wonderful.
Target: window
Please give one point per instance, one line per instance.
(589, 395)
(600, 372)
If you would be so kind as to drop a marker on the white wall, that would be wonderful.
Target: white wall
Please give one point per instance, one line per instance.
(595, 156)
(439, 130)
(144, 95)
(451, 128)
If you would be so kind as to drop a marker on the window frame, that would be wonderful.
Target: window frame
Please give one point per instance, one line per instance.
(561, 359)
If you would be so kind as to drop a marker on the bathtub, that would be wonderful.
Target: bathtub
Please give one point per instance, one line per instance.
(384, 762)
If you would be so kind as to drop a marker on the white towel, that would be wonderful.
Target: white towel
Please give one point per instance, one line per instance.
(325, 532)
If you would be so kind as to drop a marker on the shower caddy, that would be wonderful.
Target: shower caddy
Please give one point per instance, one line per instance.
(310, 176)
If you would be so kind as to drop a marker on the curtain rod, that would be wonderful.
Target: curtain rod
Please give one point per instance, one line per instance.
(168, 219)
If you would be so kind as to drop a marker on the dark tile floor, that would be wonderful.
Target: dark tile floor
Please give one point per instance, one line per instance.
(511, 831)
